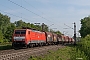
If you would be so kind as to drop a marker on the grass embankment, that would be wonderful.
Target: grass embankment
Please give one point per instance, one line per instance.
(5, 46)
(79, 52)
(60, 54)
(67, 53)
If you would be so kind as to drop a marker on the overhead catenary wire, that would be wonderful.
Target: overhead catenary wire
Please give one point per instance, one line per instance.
(27, 9)
(40, 11)
(30, 12)
(10, 14)
(12, 10)
(33, 6)
(13, 15)
(68, 26)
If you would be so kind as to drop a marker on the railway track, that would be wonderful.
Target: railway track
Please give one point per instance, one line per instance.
(24, 54)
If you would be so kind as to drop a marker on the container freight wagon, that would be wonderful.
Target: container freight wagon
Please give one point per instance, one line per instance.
(73, 41)
(63, 39)
(55, 38)
(28, 37)
(49, 38)
(59, 38)
(66, 39)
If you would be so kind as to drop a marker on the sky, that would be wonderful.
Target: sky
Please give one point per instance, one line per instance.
(57, 14)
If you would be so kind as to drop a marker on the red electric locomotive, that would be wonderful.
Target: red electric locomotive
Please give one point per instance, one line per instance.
(28, 37)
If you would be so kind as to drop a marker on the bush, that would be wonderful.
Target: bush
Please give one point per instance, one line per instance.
(83, 48)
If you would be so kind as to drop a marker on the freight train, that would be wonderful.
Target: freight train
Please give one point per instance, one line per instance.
(31, 38)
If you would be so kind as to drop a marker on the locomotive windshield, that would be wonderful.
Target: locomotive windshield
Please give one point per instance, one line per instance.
(20, 31)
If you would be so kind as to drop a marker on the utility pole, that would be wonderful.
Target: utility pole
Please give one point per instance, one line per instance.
(75, 33)
(43, 26)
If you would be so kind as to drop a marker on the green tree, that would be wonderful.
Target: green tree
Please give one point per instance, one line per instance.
(19, 24)
(58, 32)
(4, 23)
(85, 26)
(9, 32)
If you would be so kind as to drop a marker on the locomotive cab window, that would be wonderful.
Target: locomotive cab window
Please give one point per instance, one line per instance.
(20, 32)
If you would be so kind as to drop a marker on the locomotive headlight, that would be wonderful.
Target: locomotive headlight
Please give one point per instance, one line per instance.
(19, 38)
